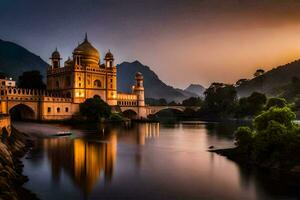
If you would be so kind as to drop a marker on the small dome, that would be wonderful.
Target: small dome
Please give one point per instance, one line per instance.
(55, 54)
(139, 75)
(68, 62)
(87, 51)
(109, 56)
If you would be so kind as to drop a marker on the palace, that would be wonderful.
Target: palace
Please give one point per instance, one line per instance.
(82, 76)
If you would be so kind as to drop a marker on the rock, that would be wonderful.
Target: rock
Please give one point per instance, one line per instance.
(11, 178)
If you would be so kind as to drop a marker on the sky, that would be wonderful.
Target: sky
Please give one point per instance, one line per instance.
(183, 41)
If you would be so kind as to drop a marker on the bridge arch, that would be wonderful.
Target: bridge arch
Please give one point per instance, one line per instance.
(22, 112)
(130, 113)
(165, 109)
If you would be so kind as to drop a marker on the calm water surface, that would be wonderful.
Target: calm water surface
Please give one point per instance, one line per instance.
(143, 161)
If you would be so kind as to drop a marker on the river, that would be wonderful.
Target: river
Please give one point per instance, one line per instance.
(143, 161)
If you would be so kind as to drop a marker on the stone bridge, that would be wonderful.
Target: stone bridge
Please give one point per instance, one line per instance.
(152, 110)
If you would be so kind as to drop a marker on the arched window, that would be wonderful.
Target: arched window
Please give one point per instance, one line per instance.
(58, 110)
(97, 83)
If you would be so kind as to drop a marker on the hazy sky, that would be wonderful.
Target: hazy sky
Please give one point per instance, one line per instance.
(183, 41)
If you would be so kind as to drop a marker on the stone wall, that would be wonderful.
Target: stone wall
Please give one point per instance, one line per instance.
(5, 124)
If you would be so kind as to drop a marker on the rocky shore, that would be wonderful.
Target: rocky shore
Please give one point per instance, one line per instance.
(12, 148)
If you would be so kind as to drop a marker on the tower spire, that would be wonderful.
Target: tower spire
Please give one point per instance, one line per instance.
(86, 37)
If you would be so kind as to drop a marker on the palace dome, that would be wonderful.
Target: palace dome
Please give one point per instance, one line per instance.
(87, 51)
(55, 54)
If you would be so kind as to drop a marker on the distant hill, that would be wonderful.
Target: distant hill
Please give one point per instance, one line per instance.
(196, 89)
(15, 59)
(154, 87)
(272, 81)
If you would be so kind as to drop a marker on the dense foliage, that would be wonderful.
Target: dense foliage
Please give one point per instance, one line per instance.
(192, 101)
(274, 139)
(220, 99)
(95, 109)
(31, 80)
(252, 105)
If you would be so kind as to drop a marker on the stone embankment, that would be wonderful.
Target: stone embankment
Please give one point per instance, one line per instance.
(13, 146)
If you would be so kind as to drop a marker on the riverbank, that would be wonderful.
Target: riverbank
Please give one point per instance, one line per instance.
(12, 149)
(235, 155)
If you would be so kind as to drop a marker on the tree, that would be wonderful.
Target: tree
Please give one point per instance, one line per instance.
(220, 98)
(31, 80)
(259, 72)
(173, 103)
(244, 138)
(281, 115)
(2, 75)
(249, 106)
(192, 101)
(276, 102)
(241, 81)
(156, 102)
(275, 138)
(94, 109)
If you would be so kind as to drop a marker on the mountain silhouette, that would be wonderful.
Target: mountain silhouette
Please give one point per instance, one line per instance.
(15, 59)
(271, 81)
(154, 87)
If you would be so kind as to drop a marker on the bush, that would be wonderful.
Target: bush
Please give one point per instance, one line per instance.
(116, 117)
(94, 109)
(283, 116)
(244, 137)
(276, 102)
(275, 138)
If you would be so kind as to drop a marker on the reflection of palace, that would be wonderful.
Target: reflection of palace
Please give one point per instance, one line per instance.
(83, 161)
(140, 133)
(147, 131)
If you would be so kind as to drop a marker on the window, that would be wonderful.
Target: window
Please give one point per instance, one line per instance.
(111, 80)
(97, 83)
(79, 78)
(67, 109)
(3, 82)
(79, 84)
(58, 110)
(49, 109)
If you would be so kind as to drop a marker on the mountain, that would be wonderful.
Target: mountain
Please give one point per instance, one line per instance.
(272, 81)
(196, 89)
(15, 59)
(154, 87)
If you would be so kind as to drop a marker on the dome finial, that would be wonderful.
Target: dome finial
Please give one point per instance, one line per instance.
(55, 48)
(86, 38)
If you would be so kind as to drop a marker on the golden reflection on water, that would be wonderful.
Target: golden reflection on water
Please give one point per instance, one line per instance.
(85, 160)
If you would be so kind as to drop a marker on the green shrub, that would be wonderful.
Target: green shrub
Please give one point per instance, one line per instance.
(276, 102)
